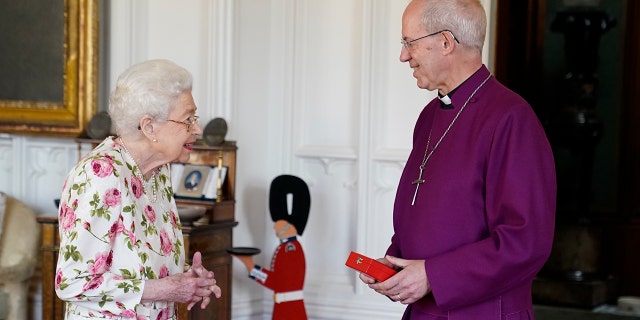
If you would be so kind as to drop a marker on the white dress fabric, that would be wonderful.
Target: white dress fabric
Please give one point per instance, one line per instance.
(113, 237)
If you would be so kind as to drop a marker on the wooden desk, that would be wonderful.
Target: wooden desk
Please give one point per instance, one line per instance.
(211, 240)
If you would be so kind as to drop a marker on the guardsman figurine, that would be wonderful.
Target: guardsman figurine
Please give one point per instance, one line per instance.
(286, 274)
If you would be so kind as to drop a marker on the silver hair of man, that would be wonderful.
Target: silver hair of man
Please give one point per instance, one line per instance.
(149, 88)
(466, 19)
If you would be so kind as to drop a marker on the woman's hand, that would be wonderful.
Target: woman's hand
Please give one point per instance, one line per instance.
(192, 286)
(199, 271)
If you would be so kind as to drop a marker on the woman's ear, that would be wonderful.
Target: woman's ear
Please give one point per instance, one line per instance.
(146, 126)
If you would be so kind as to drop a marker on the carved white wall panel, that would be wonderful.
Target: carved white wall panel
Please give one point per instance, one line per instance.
(179, 33)
(33, 169)
(333, 208)
(327, 72)
(7, 158)
(49, 162)
(330, 107)
(220, 58)
(396, 100)
(251, 126)
(198, 36)
(377, 225)
(127, 36)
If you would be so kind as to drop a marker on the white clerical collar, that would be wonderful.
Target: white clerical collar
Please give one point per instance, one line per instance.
(445, 101)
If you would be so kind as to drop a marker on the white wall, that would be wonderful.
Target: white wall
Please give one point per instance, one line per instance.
(311, 88)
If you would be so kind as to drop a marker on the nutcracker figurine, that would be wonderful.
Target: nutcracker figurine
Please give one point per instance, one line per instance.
(285, 276)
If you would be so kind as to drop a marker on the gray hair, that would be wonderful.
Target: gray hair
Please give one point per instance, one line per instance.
(466, 19)
(150, 88)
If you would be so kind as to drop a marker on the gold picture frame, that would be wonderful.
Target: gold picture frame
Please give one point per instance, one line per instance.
(73, 85)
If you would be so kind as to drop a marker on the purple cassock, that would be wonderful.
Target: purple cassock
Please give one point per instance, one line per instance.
(483, 219)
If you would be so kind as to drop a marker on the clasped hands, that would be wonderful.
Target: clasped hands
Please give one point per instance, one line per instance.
(194, 285)
(206, 284)
(407, 286)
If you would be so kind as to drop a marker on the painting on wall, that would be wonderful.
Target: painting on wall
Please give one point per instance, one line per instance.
(48, 66)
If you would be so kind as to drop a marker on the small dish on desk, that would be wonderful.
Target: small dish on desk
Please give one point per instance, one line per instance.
(243, 251)
(189, 214)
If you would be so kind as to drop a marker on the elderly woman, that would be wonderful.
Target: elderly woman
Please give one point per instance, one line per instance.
(121, 246)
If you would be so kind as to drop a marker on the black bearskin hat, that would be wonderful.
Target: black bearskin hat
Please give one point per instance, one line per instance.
(280, 187)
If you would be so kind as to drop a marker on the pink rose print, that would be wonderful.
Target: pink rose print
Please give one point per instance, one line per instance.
(163, 315)
(164, 271)
(67, 217)
(128, 313)
(136, 187)
(174, 220)
(93, 283)
(102, 167)
(150, 213)
(165, 242)
(112, 197)
(132, 236)
(58, 278)
(116, 229)
(102, 263)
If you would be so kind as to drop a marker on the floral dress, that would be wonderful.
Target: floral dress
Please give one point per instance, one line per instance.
(113, 237)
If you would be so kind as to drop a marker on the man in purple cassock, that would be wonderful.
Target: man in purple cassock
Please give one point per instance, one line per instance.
(475, 206)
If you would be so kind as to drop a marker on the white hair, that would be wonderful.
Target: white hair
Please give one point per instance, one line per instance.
(150, 88)
(466, 19)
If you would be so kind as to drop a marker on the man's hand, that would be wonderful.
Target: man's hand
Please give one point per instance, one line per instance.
(407, 286)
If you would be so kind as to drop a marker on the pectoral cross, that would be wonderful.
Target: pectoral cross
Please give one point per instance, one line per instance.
(417, 182)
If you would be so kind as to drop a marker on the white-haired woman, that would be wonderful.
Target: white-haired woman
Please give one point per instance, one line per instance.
(121, 245)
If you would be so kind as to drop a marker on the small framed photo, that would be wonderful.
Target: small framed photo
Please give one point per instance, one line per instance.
(193, 181)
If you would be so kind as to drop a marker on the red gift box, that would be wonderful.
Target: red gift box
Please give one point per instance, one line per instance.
(373, 268)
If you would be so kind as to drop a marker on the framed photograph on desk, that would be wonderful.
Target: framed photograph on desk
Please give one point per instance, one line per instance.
(197, 181)
(193, 181)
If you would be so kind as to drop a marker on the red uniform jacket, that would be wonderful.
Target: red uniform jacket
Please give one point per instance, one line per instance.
(286, 279)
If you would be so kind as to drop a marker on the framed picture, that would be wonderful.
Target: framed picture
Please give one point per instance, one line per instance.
(48, 66)
(193, 181)
(197, 181)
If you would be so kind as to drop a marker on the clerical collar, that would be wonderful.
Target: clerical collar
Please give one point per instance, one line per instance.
(285, 240)
(445, 101)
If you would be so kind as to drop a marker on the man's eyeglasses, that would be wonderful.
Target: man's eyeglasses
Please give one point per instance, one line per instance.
(190, 122)
(407, 44)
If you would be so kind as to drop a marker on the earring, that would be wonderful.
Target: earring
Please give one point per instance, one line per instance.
(154, 139)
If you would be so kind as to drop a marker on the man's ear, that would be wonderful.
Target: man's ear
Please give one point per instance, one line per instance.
(449, 43)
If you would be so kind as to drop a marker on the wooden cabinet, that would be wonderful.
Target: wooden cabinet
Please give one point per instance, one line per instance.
(210, 239)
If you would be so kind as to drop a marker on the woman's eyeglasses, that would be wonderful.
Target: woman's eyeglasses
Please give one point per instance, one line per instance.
(190, 122)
